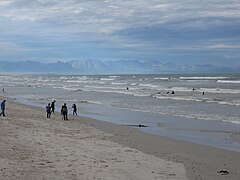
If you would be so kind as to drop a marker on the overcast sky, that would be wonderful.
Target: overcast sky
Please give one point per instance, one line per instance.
(180, 31)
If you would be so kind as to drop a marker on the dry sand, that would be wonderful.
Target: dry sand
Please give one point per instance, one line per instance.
(34, 147)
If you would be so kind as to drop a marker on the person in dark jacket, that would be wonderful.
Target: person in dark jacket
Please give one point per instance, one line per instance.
(48, 110)
(74, 109)
(3, 107)
(53, 106)
(64, 112)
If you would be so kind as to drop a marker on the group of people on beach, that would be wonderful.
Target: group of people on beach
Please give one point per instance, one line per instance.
(50, 108)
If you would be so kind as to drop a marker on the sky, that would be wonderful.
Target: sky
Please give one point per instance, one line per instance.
(178, 31)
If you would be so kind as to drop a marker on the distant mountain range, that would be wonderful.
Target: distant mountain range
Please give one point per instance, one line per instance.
(94, 66)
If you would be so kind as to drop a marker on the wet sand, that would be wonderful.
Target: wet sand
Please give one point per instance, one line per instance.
(34, 147)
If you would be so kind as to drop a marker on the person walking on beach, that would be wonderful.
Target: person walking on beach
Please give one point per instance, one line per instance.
(74, 109)
(53, 106)
(64, 112)
(48, 110)
(3, 106)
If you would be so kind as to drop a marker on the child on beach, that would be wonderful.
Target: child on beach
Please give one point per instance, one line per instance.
(64, 112)
(3, 106)
(74, 109)
(48, 110)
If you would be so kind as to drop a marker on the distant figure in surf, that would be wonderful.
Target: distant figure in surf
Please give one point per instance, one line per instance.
(64, 112)
(203, 93)
(74, 109)
(48, 110)
(53, 106)
(127, 88)
(172, 92)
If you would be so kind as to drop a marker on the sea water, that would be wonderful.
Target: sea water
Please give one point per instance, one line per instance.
(200, 108)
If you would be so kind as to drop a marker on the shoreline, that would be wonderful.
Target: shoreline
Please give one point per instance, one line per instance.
(200, 161)
(174, 127)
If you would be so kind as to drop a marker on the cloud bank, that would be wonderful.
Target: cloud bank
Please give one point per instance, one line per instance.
(181, 31)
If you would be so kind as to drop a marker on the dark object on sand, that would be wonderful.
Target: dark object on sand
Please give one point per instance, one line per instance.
(223, 172)
(136, 125)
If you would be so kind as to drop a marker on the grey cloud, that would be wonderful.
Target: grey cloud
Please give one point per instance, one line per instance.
(133, 25)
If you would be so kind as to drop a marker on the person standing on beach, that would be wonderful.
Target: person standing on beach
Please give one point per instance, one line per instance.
(53, 106)
(74, 109)
(64, 112)
(48, 110)
(3, 106)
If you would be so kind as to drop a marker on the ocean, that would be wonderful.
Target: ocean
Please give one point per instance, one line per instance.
(199, 108)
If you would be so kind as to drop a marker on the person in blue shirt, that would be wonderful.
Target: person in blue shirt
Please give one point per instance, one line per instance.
(3, 106)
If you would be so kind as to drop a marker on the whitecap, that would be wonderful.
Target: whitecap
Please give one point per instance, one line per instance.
(228, 81)
(161, 78)
(107, 79)
(203, 78)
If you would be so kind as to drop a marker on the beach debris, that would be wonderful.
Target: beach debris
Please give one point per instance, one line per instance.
(223, 172)
(140, 125)
(137, 125)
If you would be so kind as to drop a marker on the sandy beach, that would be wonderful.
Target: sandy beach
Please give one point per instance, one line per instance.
(34, 147)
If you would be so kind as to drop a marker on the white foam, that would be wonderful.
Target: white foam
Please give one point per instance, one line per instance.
(118, 83)
(161, 78)
(107, 79)
(113, 76)
(203, 78)
(63, 77)
(219, 91)
(91, 102)
(104, 87)
(75, 81)
(182, 89)
(82, 77)
(228, 81)
(134, 84)
(70, 88)
(229, 103)
(149, 85)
